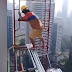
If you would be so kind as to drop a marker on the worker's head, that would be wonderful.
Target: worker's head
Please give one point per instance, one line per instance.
(25, 9)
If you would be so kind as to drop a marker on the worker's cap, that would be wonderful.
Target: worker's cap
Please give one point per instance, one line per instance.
(24, 7)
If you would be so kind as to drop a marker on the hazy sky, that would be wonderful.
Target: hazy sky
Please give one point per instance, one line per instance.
(58, 5)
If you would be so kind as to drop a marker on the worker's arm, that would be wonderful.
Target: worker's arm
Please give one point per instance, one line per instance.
(21, 18)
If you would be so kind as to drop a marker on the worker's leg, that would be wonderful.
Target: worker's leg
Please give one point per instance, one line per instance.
(32, 37)
(39, 34)
(33, 42)
(21, 66)
(42, 40)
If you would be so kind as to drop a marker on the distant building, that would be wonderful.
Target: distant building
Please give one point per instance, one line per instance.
(10, 36)
(9, 5)
(59, 14)
(53, 41)
(9, 29)
(57, 33)
(65, 9)
(68, 25)
(70, 53)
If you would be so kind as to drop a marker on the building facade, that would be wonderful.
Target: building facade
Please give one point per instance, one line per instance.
(57, 34)
(9, 29)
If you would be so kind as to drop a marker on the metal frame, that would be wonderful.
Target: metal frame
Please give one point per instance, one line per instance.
(22, 47)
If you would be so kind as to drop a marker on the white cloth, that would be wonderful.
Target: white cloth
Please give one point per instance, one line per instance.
(54, 70)
(29, 46)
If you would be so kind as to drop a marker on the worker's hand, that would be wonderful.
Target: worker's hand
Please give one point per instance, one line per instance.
(19, 19)
(19, 14)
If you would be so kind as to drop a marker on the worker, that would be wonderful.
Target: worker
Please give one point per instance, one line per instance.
(35, 23)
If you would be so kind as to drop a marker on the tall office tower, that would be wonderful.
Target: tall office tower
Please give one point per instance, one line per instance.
(65, 9)
(39, 9)
(56, 38)
(59, 37)
(10, 35)
(9, 29)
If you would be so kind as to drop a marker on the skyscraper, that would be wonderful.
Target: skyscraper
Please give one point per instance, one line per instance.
(9, 29)
(10, 36)
(57, 33)
(65, 8)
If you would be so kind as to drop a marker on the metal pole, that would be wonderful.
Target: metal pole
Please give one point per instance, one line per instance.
(49, 24)
(48, 32)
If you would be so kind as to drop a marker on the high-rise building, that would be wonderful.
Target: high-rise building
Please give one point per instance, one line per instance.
(53, 41)
(59, 22)
(57, 33)
(9, 29)
(10, 35)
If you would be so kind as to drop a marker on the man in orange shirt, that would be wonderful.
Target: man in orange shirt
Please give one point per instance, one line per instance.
(35, 23)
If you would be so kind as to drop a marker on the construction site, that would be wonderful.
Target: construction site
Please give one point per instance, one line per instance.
(22, 57)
